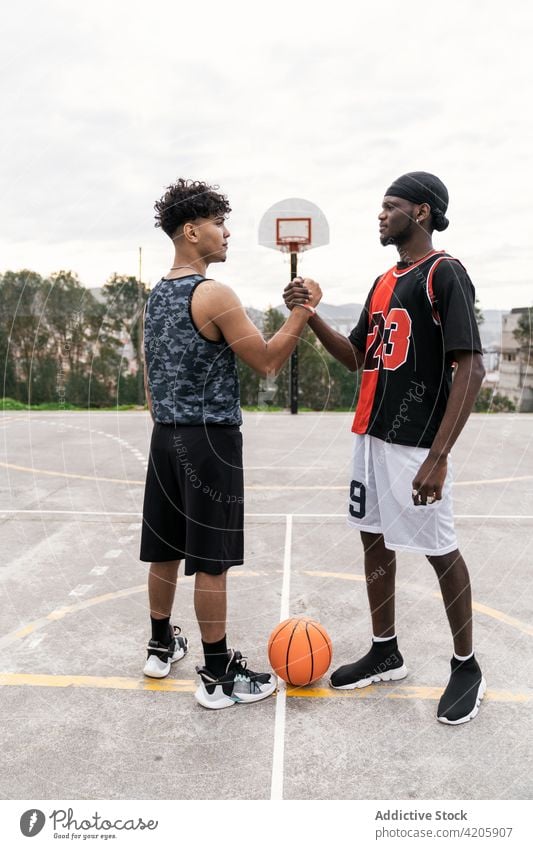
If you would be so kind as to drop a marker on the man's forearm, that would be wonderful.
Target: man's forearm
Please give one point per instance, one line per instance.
(283, 343)
(465, 387)
(336, 344)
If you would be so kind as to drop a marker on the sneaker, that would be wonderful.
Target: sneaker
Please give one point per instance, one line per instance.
(161, 656)
(382, 663)
(237, 685)
(462, 696)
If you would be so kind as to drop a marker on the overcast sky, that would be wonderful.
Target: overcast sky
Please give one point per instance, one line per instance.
(106, 103)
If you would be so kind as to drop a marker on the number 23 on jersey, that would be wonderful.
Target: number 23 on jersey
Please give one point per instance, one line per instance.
(388, 340)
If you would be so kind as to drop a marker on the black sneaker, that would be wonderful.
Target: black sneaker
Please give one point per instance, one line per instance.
(237, 685)
(161, 656)
(382, 663)
(462, 696)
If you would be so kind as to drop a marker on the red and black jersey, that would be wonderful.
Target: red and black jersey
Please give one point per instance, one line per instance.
(415, 316)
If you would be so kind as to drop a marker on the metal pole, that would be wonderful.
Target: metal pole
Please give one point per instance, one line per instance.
(293, 370)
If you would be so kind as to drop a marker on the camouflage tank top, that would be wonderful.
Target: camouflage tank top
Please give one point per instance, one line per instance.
(192, 380)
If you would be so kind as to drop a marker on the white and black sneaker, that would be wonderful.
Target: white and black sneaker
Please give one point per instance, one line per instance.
(461, 699)
(238, 684)
(382, 663)
(161, 656)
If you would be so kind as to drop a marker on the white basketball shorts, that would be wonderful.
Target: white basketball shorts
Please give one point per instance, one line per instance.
(380, 498)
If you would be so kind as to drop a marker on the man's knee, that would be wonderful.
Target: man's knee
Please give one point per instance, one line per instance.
(445, 563)
(217, 581)
(372, 542)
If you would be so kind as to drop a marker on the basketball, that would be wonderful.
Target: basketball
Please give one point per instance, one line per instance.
(299, 651)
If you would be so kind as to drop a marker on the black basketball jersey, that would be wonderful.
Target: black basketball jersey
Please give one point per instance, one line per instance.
(415, 316)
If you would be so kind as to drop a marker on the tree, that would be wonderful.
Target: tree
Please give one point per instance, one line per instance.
(58, 343)
(480, 318)
(125, 298)
(490, 401)
(524, 331)
(274, 391)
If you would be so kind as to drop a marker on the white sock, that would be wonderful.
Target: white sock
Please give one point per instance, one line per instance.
(384, 639)
(466, 657)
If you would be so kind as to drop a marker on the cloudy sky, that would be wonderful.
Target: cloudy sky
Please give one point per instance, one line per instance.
(105, 103)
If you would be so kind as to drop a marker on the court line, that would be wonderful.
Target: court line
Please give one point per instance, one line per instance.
(254, 487)
(493, 612)
(186, 685)
(398, 692)
(250, 515)
(68, 610)
(67, 474)
(498, 614)
(60, 613)
(276, 787)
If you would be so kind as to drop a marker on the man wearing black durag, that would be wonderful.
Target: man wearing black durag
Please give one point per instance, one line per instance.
(417, 329)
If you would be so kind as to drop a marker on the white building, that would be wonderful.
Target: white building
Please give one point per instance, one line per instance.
(516, 372)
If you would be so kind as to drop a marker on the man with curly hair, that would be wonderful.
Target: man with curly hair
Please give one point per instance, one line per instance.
(418, 321)
(193, 504)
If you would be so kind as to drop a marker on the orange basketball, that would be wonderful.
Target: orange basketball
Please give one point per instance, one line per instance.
(299, 651)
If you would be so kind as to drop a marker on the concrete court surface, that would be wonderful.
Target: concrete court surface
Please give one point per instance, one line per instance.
(81, 722)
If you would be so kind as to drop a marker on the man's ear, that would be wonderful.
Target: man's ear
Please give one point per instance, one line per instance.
(424, 211)
(190, 231)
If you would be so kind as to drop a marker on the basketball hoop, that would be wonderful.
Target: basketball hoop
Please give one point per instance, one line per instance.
(293, 234)
(291, 226)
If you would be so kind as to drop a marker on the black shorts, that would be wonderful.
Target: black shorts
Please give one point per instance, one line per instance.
(194, 498)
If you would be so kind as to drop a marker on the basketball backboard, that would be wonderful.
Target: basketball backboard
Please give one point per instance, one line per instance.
(293, 225)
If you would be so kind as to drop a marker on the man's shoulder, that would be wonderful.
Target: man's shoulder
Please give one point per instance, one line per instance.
(215, 294)
(446, 265)
(210, 284)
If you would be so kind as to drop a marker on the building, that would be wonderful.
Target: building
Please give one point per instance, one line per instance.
(516, 368)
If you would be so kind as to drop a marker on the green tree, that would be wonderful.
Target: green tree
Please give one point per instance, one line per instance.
(125, 298)
(343, 385)
(524, 332)
(274, 391)
(490, 401)
(24, 331)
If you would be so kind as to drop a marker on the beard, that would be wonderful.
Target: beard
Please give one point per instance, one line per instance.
(400, 237)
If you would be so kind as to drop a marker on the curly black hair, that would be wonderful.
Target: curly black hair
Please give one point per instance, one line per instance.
(186, 200)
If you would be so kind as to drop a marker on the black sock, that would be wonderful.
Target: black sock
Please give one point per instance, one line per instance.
(216, 656)
(161, 631)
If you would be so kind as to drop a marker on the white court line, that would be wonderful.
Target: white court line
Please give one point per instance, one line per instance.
(252, 515)
(276, 789)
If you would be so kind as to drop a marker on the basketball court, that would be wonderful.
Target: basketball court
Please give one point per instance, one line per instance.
(81, 721)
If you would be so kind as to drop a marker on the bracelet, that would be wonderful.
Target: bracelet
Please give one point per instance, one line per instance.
(307, 307)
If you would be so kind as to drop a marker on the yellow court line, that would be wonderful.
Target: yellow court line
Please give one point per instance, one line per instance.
(174, 685)
(476, 605)
(61, 612)
(180, 685)
(254, 487)
(503, 617)
(423, 693)
(342, 575)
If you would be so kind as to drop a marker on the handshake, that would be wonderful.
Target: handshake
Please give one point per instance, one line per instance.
(303, 292)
